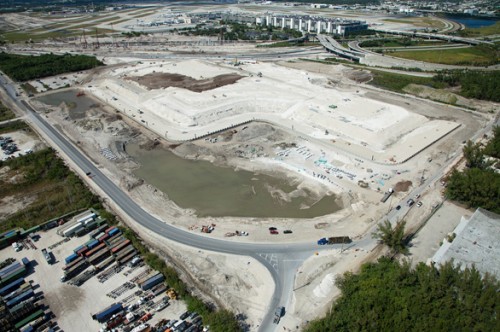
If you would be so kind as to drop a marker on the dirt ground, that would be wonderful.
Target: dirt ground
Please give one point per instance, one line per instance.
(165, 80)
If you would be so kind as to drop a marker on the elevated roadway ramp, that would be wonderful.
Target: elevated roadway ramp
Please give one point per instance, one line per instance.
(333, 46)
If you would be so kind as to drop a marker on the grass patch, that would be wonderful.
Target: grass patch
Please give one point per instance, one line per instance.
(480, 55)
(45, 177)
(397, 82)
(29, 88)
(6, 113)
(425, 22)
(13, 126)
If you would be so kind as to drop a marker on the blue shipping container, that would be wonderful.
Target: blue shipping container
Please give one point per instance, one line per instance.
(111, 230)
(11, 287)
(92, 244)
(25, 261)
(114, 231)
(151, 282)
(104, 315)
(23, 296)
(9, 268)
(71, 258)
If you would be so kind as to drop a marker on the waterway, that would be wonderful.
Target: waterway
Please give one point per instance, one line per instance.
(472, 21)
(77, 105)
(216, 191)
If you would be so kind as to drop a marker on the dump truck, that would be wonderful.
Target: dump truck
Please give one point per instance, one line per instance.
(334, 240)
(387, 194)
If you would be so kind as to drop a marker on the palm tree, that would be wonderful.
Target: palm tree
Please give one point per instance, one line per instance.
(394, 238)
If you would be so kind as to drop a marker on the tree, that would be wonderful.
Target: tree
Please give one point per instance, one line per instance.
(391, 296)
(394, 238)
(474, 156)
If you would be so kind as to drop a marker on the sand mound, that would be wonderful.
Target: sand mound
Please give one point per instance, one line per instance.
(325, 287)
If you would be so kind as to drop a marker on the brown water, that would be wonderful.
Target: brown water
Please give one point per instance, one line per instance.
(77, 105)
(218, 191)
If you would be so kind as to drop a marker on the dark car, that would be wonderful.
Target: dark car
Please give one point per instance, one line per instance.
(398, 207)
(287, 231)
(274, 232)
(272, 228)
(185, 315)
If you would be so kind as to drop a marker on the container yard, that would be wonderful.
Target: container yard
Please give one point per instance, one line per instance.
(84, 269)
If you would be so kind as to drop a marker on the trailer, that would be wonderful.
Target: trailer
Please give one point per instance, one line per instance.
(106, 314)
(84, 218)
(112, 240)
(21, 297)
(99, 256)
(100, 229)
(9, 268)
(11, 287)
(70, 258)
(82, 251)
(120, 246)
(73, 263)
(104, 263)
(92, 244)
(75, 270)
(72, 230)
(125, 259)
(103, 237)
(30, 318)
(153, 281)
(114, 231)
(125, 251)
(22, 288)
(7, 279)
(96, 249)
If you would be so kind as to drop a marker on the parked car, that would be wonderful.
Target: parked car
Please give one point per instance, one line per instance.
(272, 228)
(287, 231)
(274, 232)
(419, 204)
(185, 315)
(398, 207)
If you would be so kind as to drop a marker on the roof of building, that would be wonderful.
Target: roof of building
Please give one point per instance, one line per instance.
(476, 243)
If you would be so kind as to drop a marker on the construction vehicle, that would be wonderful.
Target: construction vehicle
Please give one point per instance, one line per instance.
(334, 240)
(172, 294)
(278, 313)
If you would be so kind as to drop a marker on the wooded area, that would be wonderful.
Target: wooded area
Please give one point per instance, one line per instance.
(473, 84)
(391, 296)
(478, 185)
(29, 67)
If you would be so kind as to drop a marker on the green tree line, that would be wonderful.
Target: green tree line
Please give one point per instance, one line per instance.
(391, 296)
(29, 67)
(478, 185)
(473, 83)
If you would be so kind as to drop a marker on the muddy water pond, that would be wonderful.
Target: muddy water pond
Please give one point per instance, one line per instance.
(216, 191)
(77, 106)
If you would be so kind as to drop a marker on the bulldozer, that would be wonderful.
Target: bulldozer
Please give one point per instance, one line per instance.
(172, 294)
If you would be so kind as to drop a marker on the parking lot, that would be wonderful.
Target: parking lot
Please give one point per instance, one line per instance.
(73, 305)
(16, 143)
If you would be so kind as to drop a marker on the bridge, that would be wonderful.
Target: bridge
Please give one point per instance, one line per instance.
(427, 35)
(333, 46)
